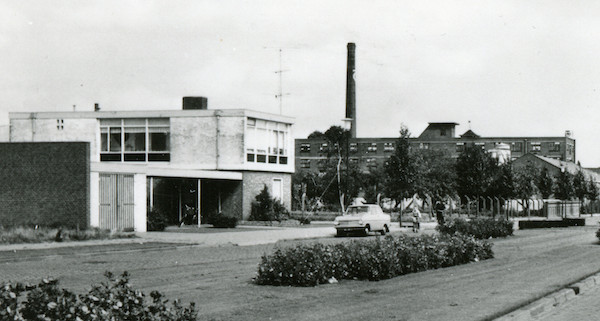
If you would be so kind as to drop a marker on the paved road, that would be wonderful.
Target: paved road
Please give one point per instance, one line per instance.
(527, 266)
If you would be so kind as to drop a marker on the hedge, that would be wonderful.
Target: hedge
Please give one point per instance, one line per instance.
(480, 228)
(375, 259)
(113, 300)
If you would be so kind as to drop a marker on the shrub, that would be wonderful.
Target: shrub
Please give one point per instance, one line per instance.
(156, 220)
(222, 221)
(266, 208)
(480, 228)
(20, 234)
(378, 259)
(112, 300)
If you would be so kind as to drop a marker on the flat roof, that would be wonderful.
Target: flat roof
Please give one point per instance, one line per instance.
(153, 114)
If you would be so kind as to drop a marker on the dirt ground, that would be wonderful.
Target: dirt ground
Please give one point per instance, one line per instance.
(219, 279)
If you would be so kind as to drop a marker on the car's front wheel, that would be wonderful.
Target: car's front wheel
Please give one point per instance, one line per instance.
(385, 230)
(367, 230)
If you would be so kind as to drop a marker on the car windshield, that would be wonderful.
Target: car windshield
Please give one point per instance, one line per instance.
(357, 210)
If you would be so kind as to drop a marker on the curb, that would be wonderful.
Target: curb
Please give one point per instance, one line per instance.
(537, 308)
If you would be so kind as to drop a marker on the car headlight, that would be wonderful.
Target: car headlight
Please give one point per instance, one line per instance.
(360, 222)
(336, 222)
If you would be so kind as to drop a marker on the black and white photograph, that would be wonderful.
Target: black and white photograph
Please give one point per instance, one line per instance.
(299, 160)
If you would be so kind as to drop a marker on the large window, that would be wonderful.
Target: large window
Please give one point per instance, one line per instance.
(134, 140)
(266, 141)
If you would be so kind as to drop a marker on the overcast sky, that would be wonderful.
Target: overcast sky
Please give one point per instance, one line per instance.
(512, 68)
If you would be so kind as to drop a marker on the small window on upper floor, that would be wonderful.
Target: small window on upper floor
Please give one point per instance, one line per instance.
(388, 147)
(353, 147)
(60, 124)
(442, 132)
(372, 147)
(305, 148)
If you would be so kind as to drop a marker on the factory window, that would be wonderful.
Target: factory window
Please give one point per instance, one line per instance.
(134, 140)
(353, 147)
(482, 145)
(460, 147)
(371, 163)
(536, 147)
(60, 124)
(424, 145)
(305, 163)
(354, 161)
(388, 147)
(555, 147)
(323, 147)
(517, 147)
(266, 141)
(304, 148)
(372, 147)
(442, 132)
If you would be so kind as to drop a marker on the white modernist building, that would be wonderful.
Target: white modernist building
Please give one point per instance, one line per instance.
(189, 163)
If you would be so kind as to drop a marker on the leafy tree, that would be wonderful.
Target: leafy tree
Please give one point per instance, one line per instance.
(564, 186)
(475, 172)
(592, 190)
(545, 183)
(401, 169)
(436, 174)
(580, 186)
(524, 182)
(503, 184)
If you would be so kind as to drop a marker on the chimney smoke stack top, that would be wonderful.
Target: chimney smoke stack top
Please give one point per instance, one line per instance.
(351, 88)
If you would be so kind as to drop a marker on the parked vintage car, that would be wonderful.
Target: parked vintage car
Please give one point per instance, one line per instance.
(363, 218)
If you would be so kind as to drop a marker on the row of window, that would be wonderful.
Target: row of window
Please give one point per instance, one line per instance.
(389, 147)
(134, 140)
(266, 141)
(516, 146)
(353, 147)
(322, 163)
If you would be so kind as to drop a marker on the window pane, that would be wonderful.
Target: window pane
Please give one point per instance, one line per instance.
(135, 141)
(115, 139)
(159, 142)
(104, 142)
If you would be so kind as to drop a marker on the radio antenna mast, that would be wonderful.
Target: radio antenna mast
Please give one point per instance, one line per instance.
(280, 94)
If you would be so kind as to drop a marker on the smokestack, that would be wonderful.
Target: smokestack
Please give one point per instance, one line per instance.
(96, 107)
(195, 102)
(351, 89)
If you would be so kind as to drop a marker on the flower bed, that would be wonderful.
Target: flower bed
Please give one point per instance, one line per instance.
(479, 227)
(376, 259)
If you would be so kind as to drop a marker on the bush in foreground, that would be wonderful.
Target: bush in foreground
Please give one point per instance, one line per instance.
(222, 221)
(113, 300)
(24, 234)
(376, 259)
(480, 228)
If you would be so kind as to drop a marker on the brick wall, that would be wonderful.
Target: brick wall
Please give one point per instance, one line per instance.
(253, 184)
(45, 184)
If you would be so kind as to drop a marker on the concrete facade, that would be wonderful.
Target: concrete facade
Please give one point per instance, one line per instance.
(229, 152)
(373, 152)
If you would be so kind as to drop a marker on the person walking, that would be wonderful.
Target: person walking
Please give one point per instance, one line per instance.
(439, 212)
(416, 219)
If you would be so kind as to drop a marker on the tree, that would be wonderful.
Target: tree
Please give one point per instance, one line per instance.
(545, 183)
(580, 186)
(475, 171)
(563, 189)
(401, 170)
(503, 182)
(592, 191)
(524, 180)
(436, 174)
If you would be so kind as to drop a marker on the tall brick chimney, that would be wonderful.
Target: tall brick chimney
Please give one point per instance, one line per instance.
(351, 89)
